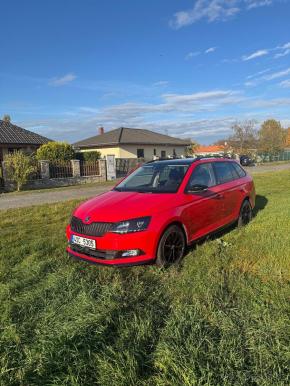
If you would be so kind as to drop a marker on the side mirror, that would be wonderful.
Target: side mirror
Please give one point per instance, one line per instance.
(197, 188)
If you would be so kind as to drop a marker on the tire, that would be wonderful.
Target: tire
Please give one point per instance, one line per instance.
(171, 246)
(246, 214)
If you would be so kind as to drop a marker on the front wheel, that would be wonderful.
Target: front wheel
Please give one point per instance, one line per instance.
(246, 214)
(171, 246)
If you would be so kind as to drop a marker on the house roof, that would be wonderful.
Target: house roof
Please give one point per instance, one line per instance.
(210, 149)
(124, 135)
(12, 134)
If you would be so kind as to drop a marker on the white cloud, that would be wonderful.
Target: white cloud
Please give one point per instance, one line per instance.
(258, 73)
(285, 83)
(214, 10)
(211, 10)
(161, 83)
(191, 55)
(278, 74)
(62, 80)
(209, 50)
(256, 54)
(270, 103)
(257, 3)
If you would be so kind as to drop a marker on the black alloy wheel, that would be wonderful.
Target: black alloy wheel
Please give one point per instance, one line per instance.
(171, 246)
(246, 214)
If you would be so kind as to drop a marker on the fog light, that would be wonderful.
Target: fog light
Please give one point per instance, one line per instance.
(131, 253)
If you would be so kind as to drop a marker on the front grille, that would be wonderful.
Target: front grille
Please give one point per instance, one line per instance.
(97, 229)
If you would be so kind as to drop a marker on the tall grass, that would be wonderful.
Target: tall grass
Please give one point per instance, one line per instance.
(222, 318)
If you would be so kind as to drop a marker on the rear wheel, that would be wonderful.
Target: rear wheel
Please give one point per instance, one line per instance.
(246, 214)
(171, 246)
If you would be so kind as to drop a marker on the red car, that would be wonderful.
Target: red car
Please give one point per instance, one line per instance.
(159, 209)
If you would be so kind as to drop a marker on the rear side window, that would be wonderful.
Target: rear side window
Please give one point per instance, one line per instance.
(241, 173)
(224, 172)
(203, 175)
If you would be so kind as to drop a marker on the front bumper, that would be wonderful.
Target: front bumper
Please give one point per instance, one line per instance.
(111, 245)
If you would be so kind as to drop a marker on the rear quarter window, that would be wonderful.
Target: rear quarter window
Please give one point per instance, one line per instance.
(240, 172)
(224, 172)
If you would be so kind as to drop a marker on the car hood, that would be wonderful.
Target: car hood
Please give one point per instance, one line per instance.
(117, 206)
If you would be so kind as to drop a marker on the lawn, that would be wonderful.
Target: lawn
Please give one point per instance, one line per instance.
(222, 318)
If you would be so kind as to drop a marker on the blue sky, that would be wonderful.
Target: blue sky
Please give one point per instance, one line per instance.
(182, 67)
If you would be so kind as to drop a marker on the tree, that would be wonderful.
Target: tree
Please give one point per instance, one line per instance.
(244, 137)
(89, 155)
(18, 167)
(271, 136)
(190, 150)
(6, 118)
(287, 137)
(55, 151)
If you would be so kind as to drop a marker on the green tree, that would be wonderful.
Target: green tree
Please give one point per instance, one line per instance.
(52, 151)
(6, 118)
(287, 138)
(18, 167)
(89, 155)
(271, 137)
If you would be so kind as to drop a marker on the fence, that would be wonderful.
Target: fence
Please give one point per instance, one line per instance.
(36, 174)
(89, 168)
(48, 174)
(60, 169)
(125, 165)
(282, 156)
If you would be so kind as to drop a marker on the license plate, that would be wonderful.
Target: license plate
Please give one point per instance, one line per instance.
(89, 243)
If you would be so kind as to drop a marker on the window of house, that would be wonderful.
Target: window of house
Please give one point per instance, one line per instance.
(154, 152)
(163, 154)
(140, 153)
(12, 150)
(174, 152)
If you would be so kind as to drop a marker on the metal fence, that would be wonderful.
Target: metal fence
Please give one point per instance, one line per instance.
(282, 156)
(89, 168)
(60, 169)
(125, 165)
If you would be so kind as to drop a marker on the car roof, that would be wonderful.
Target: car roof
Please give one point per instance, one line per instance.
(186, 161)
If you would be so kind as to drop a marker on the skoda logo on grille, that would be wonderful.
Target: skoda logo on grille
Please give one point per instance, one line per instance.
(87, 219)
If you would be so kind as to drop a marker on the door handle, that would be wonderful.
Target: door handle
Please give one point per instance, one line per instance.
(220, 196)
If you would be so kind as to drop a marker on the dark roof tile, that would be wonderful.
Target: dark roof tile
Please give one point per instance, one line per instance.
(12, 134)
(124, 135)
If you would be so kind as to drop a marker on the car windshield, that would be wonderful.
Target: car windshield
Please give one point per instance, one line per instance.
(154, 178)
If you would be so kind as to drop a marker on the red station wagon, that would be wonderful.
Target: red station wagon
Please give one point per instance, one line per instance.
(159, 209)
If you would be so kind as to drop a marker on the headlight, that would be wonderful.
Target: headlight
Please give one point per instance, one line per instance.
(134, 225)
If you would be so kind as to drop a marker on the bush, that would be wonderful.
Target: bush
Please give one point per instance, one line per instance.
(18, 168)
(89, 156)
(52, 151)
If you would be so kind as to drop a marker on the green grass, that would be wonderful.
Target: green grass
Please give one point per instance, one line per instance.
(222, 318)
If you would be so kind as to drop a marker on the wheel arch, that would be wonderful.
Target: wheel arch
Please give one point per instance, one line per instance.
(179, 224)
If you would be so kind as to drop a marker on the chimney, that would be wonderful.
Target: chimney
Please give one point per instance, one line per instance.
(101, 130)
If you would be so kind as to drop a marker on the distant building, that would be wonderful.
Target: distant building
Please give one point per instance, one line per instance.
(213, 150)
(14, 138)
(133, 143)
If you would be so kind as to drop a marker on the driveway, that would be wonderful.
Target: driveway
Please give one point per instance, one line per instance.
(30, 198)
